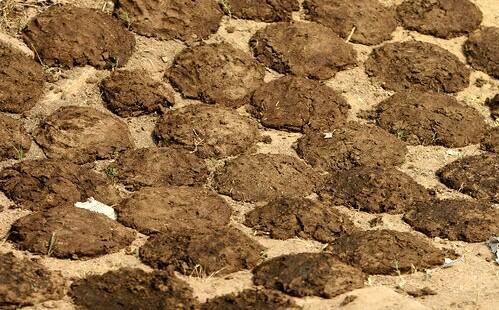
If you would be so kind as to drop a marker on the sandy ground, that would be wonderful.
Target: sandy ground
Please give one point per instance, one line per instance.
(472, 283)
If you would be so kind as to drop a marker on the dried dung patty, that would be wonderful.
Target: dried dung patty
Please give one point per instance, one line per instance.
(251, 299)
(373, 189)
(185, 20)
(216, 73)
(297, 104)
(464, 220)
(418, 65)
(24, 283)
(476, 176)
(46, 183)
(133, 93)
(14, 140)
(207, 130)
(482, 50)
(351, 146)
(211, 252)
(129, 288)
(308, 274)
(427, 118)
(159, 166)
(373, 22)
(82, 134)
(156, 209)
(386, 251)
(264, 177)
(304, 49)
(441, 18)
(286, 218)
(490, 141)
(21, 81)
(70, 36)
(262, 10)
(69, 232)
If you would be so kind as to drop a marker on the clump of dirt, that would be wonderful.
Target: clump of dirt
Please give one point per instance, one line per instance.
(159, 209)
(22, 81)
(464, 220)
(14, 140)
(427, 118)
(207, 131)
(493, 104)
(82, 134)
(24, 283)
(441, 18)
(130, 93)
(216, 73)
(69, 232)
(44, 183)
(373, 189)
(473, 175)
(482, 50)
(261, 10)
(132, 289)
(70, 36)
(264, 177)
(351, 146)
(202, 253)
(286, 218)
(298, 104)
(304, 49)
(386, 251)
(115, 289)
(366, 21)
(490, 141)
(158, 166)
(308, 274)
(185, 20)
(418, 65)
(251, 299)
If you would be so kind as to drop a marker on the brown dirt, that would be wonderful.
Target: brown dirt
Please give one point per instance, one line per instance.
(14, 140)
(373, 22)
(304, 49)
(386, 251)
(132, 289)
(298, 104)
(351, 146)
(490, 141)
(263, 10)
(216, 73)
(159, 209)
(373, 189)
(441, 18)
(202, 252)
(464, 220)
(82, 134)
(24, 283)
(493, 104)
(264, 177)
(474, 175)
(287, 218)
(185, 20)
(74, 232)
(134, 93)
(207, 130)
(21, 81)
(308, 274)
(154, 166)
(251, 299)
(69, 36)
(418, 65)
(482, 50)
(426, 118)
(43, 184)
